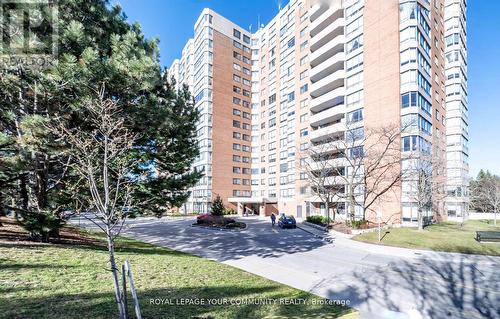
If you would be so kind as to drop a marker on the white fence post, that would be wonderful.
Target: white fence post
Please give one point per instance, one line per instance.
(124, 289)
(132, 289)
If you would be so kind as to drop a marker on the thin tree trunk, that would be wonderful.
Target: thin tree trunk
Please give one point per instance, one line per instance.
(23, 185)
(114, 270)
(41, 181)
(2, 209)
(495, 217)
(327, 213)
(420, 220)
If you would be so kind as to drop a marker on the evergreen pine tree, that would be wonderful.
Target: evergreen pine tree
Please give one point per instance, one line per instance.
(218, 206)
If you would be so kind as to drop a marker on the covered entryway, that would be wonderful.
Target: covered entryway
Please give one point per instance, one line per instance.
(254, 206)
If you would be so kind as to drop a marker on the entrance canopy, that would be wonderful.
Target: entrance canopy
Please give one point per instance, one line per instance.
(252, 200)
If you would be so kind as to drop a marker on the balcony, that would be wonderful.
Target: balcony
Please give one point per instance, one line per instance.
(328, 66)
(328, 115)
(334, 180)
(328, 83)
(332, 98)
(334, 145)
(317, 10)
(328, 34)
(326, 132)
(318, 23)
(328, 50)
(322, 165)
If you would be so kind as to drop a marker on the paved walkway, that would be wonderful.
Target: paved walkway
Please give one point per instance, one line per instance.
(382, 282)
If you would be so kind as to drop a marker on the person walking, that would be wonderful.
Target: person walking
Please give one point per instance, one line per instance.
(273, 219)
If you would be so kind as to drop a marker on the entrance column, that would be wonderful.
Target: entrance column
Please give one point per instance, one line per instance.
(262, 210)
(239, 208)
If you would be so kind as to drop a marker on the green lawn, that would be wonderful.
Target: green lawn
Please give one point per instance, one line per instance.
(72, 281)
(445, 236)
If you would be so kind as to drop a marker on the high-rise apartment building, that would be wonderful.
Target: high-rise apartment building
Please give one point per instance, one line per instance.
(316, 72)
(457, 132)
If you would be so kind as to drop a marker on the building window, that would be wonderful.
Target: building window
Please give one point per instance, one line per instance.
(355, 116)
(304, 46)
(237, 33)
(272, 98)
(303, 118)
(246, 39)
(304, 60)
(356, 152)
(304, 103)
(237, 44)
(304, 88)
(303, 32)
(355, 134)
(237, 55)
(354, 62)
(354, 44)
(353, 26)
(304, 74)
(354, 99)
(354, 80)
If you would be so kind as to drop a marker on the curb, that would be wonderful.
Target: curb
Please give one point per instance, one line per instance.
(318, 227)
(330, 231)
(324, 238)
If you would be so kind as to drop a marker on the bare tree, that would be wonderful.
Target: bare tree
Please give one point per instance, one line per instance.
(100, 153)
(358, 167)
(321, 165)
(487, 191)
(378, 166)
(425, 180)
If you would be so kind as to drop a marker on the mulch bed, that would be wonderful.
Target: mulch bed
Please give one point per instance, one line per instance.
(341, 227)
(344, 228)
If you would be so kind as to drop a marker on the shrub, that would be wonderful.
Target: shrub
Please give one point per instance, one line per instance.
(318, 220)
(203, 219)
(41, 225)
(230, 212)
(359, 224)
(218, 206)
(218, 221)
(236, 225)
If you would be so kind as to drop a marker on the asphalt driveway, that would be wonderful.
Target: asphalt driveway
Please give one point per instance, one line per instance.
(382, 282)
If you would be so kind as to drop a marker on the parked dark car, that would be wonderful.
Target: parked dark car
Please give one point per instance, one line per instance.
(287, 222)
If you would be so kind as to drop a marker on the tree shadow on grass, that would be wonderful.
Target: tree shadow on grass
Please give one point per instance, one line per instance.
(101, 305)
(122, 246)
